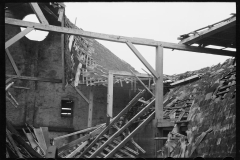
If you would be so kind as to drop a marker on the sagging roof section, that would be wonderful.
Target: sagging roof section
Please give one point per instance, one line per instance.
(221, 34)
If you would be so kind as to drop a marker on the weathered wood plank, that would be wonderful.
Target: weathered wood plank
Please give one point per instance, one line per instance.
(35, 78)
(159, 84)
(90, 109)
(63, 51)
(142, 59)
(114, 38)
(77, 150)
(38, 13)
(40, 138)
(17, 37)
(51, 152)
(12, 62)
(110, 96)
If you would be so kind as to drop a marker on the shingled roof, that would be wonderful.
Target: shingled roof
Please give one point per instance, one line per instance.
(97, 58)
(208, 105)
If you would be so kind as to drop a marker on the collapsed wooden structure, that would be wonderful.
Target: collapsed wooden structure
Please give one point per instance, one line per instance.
(115, 138)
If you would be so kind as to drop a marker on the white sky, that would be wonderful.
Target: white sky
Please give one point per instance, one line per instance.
(162, 21)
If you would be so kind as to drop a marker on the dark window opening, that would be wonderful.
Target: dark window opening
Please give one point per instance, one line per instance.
(67, 108)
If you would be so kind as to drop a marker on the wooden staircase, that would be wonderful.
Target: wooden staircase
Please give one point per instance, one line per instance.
(116, 140)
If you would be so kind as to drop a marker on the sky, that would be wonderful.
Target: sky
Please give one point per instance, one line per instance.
(160, 21)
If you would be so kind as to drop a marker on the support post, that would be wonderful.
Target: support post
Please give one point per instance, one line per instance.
(63, 54)
(159, 84)
(90, 110)
(110, 97)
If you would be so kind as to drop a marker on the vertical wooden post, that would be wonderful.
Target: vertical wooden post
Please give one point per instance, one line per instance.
(63, 52)
(159, 84)
(90, 110)
(110, 96)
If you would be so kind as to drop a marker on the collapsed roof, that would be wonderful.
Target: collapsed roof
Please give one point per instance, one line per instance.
(221, 34)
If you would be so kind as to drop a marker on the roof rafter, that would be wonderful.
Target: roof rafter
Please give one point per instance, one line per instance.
(212, 30)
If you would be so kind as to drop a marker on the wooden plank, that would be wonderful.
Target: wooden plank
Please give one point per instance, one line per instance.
(81, 94)
(123, 128)
(218, 28)
(159, 84)
(35, 78)
(122, 143)
(45, 135)
(124, 73)
(12, 62)
(142, 59)
(114, 38)
(63, 52)
(90, 109)
(82, 139)
(115, 119)
(39, 13)
(9, 85)
(77, 150)
(110, 96)
(51, 152)
(40, 138)
(78, 132)
(13, 144)
(17, 37)
(61, 13)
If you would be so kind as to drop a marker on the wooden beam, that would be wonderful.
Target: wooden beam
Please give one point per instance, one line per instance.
(63, 53)
(159, 84)
(81, 94)
(122, 143)
(90, 109)
(129, 74)
(18, 37)
(114, 38)
(218, 28)
(12, 62)
(35, 78)
(77, 150)
(78, 132)
(38, 13)
(110, 96)
(143, 84)
(51, 152)
(142, 59)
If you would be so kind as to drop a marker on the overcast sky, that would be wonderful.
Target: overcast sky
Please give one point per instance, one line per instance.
(162, 21)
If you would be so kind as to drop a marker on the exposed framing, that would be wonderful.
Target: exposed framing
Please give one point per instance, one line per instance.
(212, 30)
(158, 73)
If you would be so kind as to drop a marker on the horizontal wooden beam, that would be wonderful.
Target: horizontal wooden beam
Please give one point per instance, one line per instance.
(218, 28)
(39, 13)
(35, 78)
(114, 38)
(17, 37)
(129, 74)
(142, 59)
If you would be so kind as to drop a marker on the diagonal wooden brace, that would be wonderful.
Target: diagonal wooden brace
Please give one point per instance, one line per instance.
(39, 13)
(142, 59)
(18, 37)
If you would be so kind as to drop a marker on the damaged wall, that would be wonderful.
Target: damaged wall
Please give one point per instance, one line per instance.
(40, 105)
